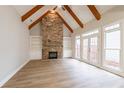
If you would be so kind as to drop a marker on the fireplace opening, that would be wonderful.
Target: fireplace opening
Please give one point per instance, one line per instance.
(52, 55)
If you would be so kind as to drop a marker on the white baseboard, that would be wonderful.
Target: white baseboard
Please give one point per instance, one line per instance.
(12, 74)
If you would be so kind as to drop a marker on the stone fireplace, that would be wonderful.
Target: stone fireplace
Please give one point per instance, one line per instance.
(52, 36)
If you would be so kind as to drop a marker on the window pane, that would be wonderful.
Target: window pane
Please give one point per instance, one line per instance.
(93, 50)
(77, 48)
(112, 47)
(90, 33)
(85, 49)
(112, 27)
(113, 40)
(112, 58)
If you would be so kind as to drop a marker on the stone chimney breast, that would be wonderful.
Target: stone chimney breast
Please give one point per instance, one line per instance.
(52, 36)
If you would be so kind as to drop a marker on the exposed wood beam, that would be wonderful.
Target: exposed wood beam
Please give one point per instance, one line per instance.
(73, 15)
(38, 20)
(31, 12)
(63, 8)
(55, 8)
(65, 23)
(94, 11)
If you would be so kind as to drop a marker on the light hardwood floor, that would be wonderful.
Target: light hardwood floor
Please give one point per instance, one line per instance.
(66, 73)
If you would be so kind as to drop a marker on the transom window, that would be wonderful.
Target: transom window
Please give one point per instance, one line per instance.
(90, 33)
(112, 27)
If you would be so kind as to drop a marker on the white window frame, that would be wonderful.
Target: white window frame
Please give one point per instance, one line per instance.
(77, 37)
(88, 35)
(121, 45)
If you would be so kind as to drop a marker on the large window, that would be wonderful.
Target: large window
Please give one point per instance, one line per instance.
(77, 47)
(102, 48)
(112, 47)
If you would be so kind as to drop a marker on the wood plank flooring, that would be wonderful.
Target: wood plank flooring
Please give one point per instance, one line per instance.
(66, 73)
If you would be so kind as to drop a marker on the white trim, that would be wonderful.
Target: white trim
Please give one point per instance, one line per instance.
(104, 48)
(121, 47)
(77, 38)
(89, 38)
(12, 74)
(110, 24)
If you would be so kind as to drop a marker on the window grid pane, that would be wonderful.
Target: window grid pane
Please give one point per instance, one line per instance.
(77, 47)
(112, 40)
(93, 50)
(112, 47)
(90, 33)
(112, 58)
(112, 27)
(85, 49)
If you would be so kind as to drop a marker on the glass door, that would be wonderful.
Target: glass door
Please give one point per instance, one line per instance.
(77, 47)
(90, 47)
(85, 49)
(93, 50)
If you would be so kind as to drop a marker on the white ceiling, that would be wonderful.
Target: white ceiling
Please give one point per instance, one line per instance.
(81, 11)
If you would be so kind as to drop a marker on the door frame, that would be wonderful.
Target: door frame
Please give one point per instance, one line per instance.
(77, 37)
(98, 45)
(92, 36)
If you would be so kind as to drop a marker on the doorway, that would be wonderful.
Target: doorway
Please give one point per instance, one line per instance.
(90, 47)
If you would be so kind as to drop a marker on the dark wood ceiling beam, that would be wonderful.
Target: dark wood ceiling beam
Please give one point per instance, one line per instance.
(38, 20)
(55, 8)
(94, 11)
(73, 15)
(65, 23)
(31, 12)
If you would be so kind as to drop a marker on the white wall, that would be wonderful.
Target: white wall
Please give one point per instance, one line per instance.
(67, 43)
(36, 30)
(14, 42)
(35, 47)
(36, 42)
(66, 32)
(113, 15)
(67, 47)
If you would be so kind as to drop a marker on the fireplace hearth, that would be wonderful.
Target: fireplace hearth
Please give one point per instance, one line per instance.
(53, 55)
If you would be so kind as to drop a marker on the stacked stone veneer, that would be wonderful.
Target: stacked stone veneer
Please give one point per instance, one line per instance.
(52, 35)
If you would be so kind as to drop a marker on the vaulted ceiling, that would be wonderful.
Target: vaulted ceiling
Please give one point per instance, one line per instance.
(73, 16)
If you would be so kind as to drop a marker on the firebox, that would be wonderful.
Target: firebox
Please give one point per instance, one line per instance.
(53, 55)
